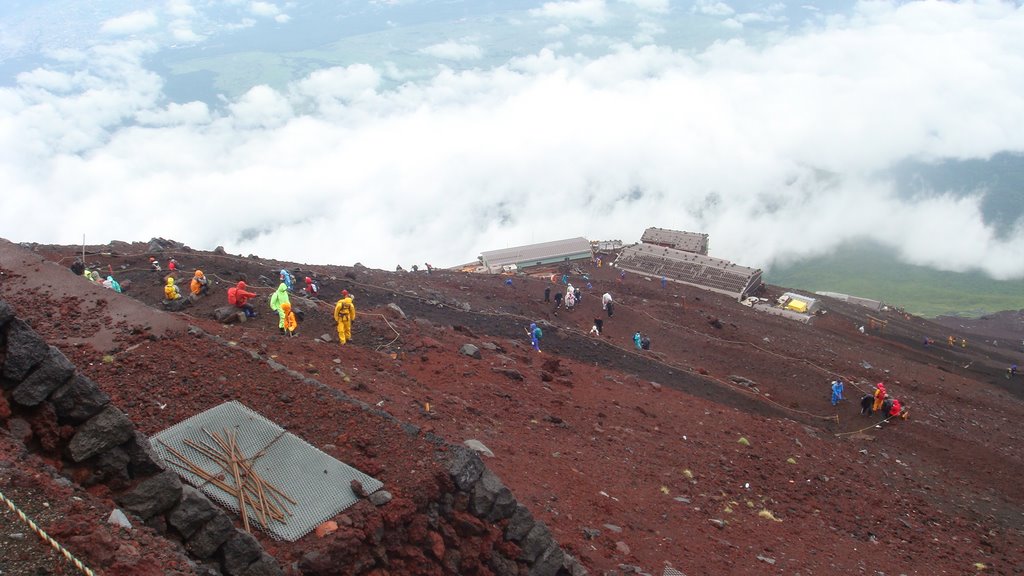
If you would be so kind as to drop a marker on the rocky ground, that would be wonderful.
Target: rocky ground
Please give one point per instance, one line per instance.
(715, 452)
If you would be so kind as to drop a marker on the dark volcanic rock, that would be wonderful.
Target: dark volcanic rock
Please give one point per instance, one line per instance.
(51, 374)
(79, 400)
(25, 349)
(154, 495)
(102, 432)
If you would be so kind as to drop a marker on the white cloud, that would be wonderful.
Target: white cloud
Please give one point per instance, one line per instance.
(282, 18)
(775, 150)
(452, 50)
(265, 9)
(181, 31)
(132, 23)
(656, 6)
(181, 9)
(594, 12)
(713, 8)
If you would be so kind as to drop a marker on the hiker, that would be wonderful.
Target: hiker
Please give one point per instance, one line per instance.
(311, 288)
(565, 279)
(896, 409)
(880, 396)
(664, 282)
(344, 314)
(172, 265)
(171, 289)
(154, 264)
(112, 284)
(508, 282)
(951, 341)
(415, 267)
(645, 343)
(558, 300)
(287, 279)
(570, 300)
(93, 276)
(837, 391)
(577, 294)
(239, 297)
(535, 335)
(622, 275)
(78, 267)
(598, 261)
(290, 323)
(570, 290)
(865, 404)
(280, 296)
(596, 328)
(547, 294)
(636, 340)
(963, 342)
(430, 269)
(199, 285)
(1011, 371)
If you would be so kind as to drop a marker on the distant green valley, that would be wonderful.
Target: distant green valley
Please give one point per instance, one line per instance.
(872, 272)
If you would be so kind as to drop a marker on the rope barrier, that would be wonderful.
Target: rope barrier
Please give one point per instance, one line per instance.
(46, 537)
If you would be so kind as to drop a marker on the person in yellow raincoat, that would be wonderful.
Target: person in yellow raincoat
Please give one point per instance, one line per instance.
(344, 314)
(171, 290)
(276, 300)
(290, 323)
(880, 395)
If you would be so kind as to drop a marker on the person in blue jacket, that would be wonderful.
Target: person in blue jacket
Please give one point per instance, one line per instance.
(837, 391)
(535, 335)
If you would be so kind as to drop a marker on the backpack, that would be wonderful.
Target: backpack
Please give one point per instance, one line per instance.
(537, 333)
(233, 295)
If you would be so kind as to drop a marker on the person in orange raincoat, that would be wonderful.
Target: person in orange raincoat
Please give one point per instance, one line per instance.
(880, 396)
(344, 314)
(199, 284)
(290, 323)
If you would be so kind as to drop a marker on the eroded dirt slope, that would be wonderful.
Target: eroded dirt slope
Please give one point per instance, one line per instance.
(633, 458)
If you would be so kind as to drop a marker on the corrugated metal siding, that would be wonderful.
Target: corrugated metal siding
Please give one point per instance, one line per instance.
(680, 240)
(530, 254)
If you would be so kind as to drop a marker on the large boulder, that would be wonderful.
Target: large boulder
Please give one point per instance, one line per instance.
(143, 460)
(102, 432)
(520, 524)
(51, 374)
(536, 542)
(6, 313)
(193, 510)
(470, 350)
(490, 499)
(79, 400)
(25, 349)
(240, 550)
(153, 495)
(209, 538)
(394, 311)
(465, 467)
(266, 566)
(550, 561)
(229, 315)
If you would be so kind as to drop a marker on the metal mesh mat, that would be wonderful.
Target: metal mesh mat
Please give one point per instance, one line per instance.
(319, 484)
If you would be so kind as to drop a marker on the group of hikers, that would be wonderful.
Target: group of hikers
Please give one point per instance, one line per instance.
(240, 296)
(878, 401)
(571, 299)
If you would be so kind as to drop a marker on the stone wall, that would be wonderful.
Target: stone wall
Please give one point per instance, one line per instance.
(66, 417)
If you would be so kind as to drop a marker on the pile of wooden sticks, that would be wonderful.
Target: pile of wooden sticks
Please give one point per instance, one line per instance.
(237, 478)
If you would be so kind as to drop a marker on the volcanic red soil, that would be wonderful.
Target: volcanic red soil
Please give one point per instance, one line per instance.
(634, 459)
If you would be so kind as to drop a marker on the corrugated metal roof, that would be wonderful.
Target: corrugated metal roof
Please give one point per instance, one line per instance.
(678, 239)
(536, 252)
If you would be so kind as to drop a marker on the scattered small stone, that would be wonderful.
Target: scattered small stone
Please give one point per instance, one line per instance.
(718, 522)
(622, 548)
(479, 447)
(613, 528)
(380, 497)
(743, 441)
(357, 488)
(591, 533)
(766, 559)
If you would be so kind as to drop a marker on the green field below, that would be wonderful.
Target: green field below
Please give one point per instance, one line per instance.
(872, 272)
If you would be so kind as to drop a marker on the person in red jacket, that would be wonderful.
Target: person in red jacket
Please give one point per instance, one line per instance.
(239, 297)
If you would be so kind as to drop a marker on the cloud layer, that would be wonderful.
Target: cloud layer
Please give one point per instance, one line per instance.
(774, 150)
